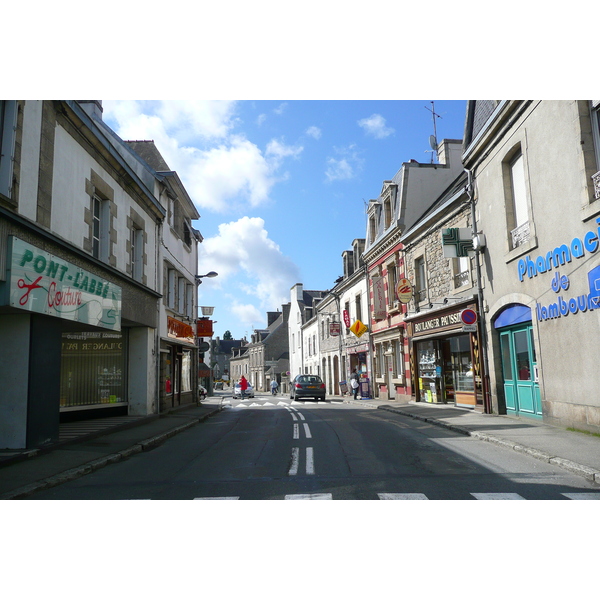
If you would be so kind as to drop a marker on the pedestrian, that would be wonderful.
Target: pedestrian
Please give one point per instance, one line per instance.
(274, 386)
(354, 383)
(243, 386)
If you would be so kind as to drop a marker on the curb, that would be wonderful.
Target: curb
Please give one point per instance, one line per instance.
(99, 463)
(584, 471)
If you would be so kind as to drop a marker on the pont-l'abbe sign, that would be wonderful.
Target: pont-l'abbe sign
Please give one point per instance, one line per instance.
(43, 283)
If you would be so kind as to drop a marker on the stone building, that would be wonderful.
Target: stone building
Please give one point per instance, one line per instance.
(402, 201)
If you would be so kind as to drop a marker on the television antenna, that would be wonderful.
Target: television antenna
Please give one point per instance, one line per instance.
(433, 138)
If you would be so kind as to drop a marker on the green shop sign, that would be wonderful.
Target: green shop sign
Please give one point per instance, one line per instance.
(43, 283)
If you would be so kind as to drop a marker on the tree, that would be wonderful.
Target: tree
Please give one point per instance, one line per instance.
(227, 335)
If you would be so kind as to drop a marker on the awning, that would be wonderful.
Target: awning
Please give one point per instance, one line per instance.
(203, 370)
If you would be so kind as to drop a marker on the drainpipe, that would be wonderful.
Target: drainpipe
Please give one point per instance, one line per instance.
(487, 404)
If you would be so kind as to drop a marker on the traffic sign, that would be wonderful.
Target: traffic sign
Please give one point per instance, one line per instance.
(468, 316)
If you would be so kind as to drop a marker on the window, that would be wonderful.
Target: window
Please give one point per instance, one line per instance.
(517, 218)
(181, 295)
(420, 281)
(595, 114)
(100, 228)
(391, 283)
(187, 233)
(171, 288)
(189, 300)
(387, 211)
(137, 253)
(358, 308)
(372, 229)
(8, 124)
(461, 268)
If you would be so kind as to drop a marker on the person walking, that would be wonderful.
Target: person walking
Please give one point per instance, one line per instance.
(243, 386)
(354, 383)
(274, 386)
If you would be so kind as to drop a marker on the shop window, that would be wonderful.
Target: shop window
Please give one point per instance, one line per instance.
(186, 371)
(398, 358)
(8, 124)
(93, 367)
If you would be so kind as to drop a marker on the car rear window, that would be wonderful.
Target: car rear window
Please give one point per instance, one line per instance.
(309, 379)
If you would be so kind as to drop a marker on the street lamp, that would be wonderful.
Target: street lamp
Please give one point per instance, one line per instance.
(199, 278)
(207, 311)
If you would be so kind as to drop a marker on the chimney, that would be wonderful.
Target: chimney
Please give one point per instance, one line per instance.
(272, 317)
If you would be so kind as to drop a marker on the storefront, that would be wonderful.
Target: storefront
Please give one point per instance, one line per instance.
(178, 359)
(446, 358)
(357, 357)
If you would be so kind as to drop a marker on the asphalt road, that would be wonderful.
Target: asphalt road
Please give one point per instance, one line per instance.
(274, 449)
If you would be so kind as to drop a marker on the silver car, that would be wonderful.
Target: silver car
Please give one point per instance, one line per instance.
(237, 391)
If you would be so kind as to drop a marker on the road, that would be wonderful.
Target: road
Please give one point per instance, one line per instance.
(275, 449)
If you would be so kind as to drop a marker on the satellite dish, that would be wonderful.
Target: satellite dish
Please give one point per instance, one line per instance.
(433, 142)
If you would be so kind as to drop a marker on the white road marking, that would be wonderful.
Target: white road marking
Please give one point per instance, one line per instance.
(282, 404)
(583, 496)
(301, 416)
(296, 432)
(310, 463)
(219, 498)
(498, 496)
(307, 430)
(295, 461)
(294, 416)
(268, 404)
(385, 496)
(308, 497)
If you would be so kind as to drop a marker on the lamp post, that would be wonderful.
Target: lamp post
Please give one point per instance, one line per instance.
(199, 278)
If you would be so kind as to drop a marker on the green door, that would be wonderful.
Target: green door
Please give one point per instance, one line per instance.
(519, 367)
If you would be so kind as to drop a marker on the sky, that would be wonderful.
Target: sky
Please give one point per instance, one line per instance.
(281, 186)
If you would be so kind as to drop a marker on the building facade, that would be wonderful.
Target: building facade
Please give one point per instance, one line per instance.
(79, 239)
(534, 170)
(402, 202)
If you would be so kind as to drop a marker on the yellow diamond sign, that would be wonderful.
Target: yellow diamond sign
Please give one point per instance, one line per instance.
(358, 328)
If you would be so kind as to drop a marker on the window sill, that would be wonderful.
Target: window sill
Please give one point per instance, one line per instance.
(522, 249)
(591, 210)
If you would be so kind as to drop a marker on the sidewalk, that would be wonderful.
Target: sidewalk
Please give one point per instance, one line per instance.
(106, 441)
(576, 452)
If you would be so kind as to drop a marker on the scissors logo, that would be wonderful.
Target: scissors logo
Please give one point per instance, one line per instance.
(29, 287)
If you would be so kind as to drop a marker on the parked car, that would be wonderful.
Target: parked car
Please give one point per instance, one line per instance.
(307, 386)
(237, 391)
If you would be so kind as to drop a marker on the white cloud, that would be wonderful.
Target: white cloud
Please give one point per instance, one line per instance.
(221, 170)
(247, 314)
(346, 167)
(375, 126)
(314, 132)
(248, 260)
(281, 108)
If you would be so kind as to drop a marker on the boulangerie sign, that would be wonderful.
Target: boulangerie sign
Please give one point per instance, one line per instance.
(378, 297)
(43, 283)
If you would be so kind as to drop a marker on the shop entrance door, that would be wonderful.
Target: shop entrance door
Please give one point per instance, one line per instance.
(519, 368)
(391, 386)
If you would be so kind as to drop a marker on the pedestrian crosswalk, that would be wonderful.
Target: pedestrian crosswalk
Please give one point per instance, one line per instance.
(419, 496)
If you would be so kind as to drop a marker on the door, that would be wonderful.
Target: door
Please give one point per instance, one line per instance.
(519, 366)
(389, 365)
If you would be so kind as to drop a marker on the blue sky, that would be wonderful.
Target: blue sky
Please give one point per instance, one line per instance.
(281, 186)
